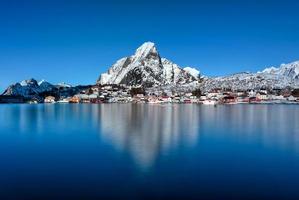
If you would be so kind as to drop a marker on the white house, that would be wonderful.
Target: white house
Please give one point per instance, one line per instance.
(291, 98)
(262, 96)
(49, 99)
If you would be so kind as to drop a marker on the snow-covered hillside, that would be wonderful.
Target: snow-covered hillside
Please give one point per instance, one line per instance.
(28, 88)
(290, 70)
(147, 68)
(287, 75)
(39, 90)
(193, 71)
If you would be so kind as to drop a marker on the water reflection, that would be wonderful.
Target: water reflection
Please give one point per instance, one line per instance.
(34, 119)
(186, 150)
(270, 125)
(148, 130)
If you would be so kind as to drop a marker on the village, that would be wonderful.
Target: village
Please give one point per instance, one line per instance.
(126, 94)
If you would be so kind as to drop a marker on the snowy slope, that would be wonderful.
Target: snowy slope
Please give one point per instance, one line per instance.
(290, 70)
(28, 88)
(31, 88)
(247, 81)
(147, 68)
(194, 72)
(287, 75)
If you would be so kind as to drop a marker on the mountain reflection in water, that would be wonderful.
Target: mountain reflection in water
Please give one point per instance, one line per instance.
(141, 151)
(147, 131)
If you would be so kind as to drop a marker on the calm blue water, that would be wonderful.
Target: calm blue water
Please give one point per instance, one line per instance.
(124, 151)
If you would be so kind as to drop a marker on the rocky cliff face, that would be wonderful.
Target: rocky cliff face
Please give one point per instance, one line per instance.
(146, 68)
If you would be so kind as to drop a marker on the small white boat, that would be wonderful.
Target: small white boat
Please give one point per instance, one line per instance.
(33, 102)
(153, 102)
(210, 102)
(63, 101)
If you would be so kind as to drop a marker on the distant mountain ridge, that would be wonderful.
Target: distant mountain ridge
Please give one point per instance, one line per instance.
(147, 68)
(290, 70)
(287, 75)
(28, 88)
(31, 88)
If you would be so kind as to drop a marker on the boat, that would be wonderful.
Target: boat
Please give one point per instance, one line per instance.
(209, 102)
(63, 101)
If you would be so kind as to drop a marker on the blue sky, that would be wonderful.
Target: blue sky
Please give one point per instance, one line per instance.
(74, 41)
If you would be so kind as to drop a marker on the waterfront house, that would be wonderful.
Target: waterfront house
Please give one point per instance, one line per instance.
(96, 101)
(74, 99)
(211, 95)
(124, 99)
(84, 98)
(138, 98)
(139, 95)
(194, 99)
(264, 91)
(152, 99)
(278, 97)
(254, 100)
(95, 90)
(241, 94)
(176, 99)
(242, 99)
(291, 98)
(189, 94)
(49, 99)
(228, 99)
(251, 93)
(187, 100)
(262, 96)
(165, 99)
(203, 97)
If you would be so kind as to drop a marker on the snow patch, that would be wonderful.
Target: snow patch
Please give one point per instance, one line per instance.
(194, 72)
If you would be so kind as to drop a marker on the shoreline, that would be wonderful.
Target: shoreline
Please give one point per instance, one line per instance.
(166, 103)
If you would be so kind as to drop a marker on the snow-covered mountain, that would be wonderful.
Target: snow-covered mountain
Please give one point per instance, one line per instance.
(193, 71)
(287, 75)
(64, 85)
(39, 90)
(290, 70)
(147, 68)
(28, 88)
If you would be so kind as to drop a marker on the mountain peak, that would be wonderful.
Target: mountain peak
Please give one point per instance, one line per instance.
(146, 68)
(290, 70)
(30, 81)
(42, 82)
(145, 49)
